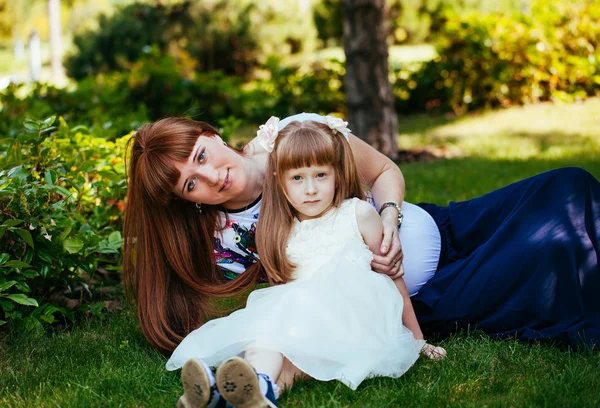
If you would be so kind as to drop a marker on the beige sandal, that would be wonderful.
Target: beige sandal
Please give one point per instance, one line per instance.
(238, 384)
(433, 352)
(196, 386)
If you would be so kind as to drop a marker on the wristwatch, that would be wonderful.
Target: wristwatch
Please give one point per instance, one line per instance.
(397, 207)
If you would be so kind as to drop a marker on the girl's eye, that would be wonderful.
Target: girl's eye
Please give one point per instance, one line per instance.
(321, 175)
(202, 156)
(296, 178)
(191, 185)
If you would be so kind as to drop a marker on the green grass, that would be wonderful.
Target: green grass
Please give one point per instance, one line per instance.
(109, 364)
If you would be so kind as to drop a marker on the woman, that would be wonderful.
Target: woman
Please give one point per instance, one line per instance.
(521, 260)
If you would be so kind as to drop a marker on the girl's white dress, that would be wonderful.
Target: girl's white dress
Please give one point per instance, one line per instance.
(337, 320)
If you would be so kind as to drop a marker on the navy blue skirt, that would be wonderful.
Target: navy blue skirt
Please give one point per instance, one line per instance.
(520, 261)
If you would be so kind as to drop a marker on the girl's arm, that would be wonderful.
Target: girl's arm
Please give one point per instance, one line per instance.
(371, 228)
(387, 184)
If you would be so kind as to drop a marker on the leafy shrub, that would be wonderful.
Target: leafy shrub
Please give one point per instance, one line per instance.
(289, 90)
(232, 36)
(61, 200)
(102, 104)
(493, 60)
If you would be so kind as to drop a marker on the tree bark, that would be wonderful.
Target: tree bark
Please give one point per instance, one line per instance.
(369, 96)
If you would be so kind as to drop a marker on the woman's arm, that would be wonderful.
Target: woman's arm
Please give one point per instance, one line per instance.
(387, 184)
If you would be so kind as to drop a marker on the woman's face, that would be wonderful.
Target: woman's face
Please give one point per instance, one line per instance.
(213, 174)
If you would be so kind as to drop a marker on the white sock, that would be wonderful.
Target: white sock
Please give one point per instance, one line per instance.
(211, 376)
(263, 383)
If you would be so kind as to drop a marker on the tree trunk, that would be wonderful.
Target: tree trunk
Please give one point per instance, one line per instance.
(371, 111)
(55, 38)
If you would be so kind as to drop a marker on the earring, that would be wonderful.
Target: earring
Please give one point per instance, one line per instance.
(198, 208)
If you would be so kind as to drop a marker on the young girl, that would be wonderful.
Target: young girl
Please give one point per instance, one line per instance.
(326, 311)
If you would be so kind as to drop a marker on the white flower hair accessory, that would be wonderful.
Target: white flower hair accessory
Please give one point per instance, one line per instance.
(267, 133)
(338, 125)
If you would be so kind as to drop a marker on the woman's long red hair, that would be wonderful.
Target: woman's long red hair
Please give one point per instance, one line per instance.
(168, 258)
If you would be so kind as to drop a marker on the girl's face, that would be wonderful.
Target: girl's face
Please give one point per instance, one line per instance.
(213, 174)
(310, 190)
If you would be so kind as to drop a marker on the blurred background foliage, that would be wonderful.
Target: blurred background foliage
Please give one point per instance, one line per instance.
(232, 63)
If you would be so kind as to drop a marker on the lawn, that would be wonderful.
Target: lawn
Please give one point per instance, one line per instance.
(107, 363)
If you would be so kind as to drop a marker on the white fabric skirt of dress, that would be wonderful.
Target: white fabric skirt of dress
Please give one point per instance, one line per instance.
(343, 323)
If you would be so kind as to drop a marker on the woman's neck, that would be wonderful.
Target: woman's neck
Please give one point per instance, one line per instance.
(254, 167)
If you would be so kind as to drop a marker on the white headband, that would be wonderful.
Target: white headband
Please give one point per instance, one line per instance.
(267, 133)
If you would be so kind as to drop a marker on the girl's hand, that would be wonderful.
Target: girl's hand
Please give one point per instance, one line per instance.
(390, 260)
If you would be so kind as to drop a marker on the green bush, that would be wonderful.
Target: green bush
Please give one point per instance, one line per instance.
(102, 104)
(61, 202)
(487, 61)
(233, 36)
(289, 90)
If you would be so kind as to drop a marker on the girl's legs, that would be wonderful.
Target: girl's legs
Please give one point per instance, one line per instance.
(265, 361)
(409, 319)
(290, 373)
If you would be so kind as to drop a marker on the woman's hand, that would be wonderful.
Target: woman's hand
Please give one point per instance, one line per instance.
(389, 262)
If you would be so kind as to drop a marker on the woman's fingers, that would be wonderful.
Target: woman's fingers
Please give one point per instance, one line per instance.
(390, 264)
(400, 272)
(390, 235)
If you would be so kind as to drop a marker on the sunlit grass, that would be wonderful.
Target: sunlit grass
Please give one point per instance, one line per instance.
(541, 131)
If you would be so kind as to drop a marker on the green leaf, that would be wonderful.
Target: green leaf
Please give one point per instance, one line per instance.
(45, 256)
(115, 237)
(79, 128)
(12, 223)
(23, 287)
(44, 271)
(63, 191)
(2, 322)
(49, 120)
(28, 256)
(46, 130)
(16, 264)
(26, 235)
(4, 257)
(51, 177)
(31, 127)
(65, 233)
(29, 273)
(7, 285)
(51, 309)
(73, 245)
(47, 319)
(7, 306)
(23, 300)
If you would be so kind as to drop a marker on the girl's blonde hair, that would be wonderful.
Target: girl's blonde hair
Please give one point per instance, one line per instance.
(299, 144)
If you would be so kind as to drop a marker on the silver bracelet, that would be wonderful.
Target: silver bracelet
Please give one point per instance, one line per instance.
(397, 207)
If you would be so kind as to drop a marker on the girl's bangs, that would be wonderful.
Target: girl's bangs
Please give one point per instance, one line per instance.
(304, 148)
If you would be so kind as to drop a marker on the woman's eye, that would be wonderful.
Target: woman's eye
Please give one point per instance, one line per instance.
(190, 185)
(202, 156)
